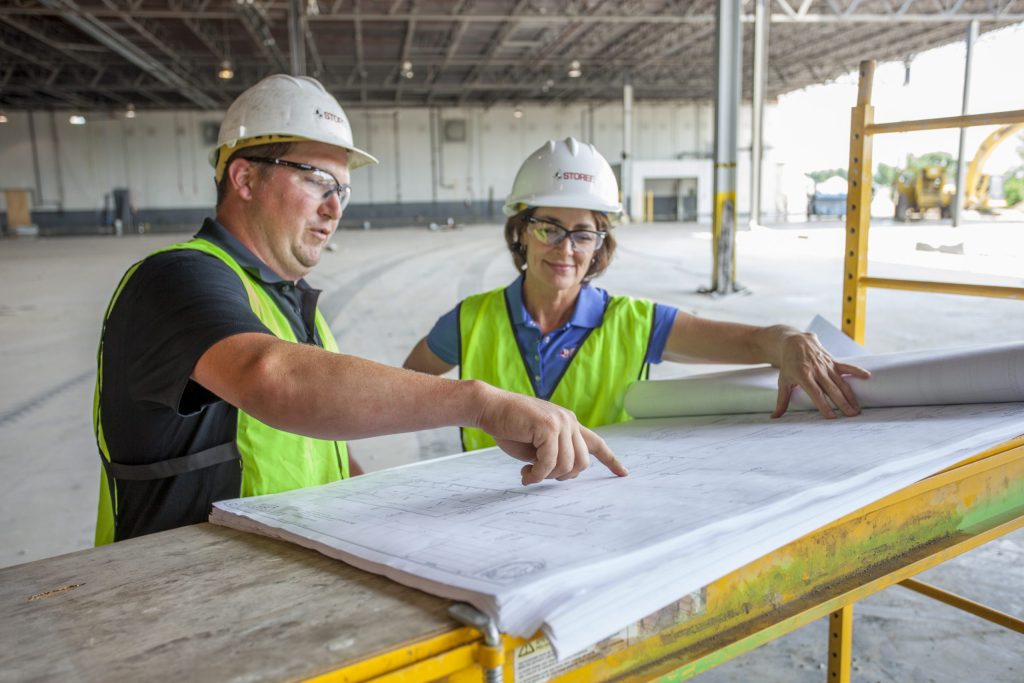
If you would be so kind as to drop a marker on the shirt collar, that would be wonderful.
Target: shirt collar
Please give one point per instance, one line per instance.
(213, 231)
(588, 313)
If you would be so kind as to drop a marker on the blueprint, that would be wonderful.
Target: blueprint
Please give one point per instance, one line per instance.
(942, 377)
(834, 340)
(585, 558)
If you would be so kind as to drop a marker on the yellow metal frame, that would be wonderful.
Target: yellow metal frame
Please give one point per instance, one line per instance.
(423, 661)
(858, 215)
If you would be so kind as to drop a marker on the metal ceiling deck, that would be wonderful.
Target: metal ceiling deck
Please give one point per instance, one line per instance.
(164, 54)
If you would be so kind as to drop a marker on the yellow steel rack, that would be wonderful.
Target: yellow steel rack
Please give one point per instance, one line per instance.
(856, 280)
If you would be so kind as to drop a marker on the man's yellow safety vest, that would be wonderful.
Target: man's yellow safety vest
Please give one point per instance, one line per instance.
(272, 460)
(608, 360)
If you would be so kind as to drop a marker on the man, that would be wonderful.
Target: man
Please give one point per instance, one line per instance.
(217, 376)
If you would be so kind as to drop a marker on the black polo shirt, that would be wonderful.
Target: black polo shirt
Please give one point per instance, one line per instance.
(174, 307)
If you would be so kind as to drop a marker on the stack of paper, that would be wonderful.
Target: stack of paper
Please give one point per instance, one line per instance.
(583, 559)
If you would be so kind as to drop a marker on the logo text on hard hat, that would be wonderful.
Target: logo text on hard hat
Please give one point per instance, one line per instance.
(574, 175)
(330, 116)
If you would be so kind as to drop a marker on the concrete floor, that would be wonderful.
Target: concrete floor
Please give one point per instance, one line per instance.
(383, 289)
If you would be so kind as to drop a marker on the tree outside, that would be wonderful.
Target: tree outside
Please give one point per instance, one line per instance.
(824, 174)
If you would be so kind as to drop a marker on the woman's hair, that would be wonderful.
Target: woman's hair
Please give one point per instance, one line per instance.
(515, 233)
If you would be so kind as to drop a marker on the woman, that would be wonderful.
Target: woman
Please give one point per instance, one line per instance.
(553, 335)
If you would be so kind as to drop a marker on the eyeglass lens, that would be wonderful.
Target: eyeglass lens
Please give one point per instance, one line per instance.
(553, 235)
(322, 184)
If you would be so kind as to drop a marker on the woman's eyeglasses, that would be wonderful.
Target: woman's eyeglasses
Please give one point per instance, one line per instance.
(553, 234)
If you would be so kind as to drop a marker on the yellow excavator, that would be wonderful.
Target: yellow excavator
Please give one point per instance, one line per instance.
(926, 188)
(923, 189)
(978, 184)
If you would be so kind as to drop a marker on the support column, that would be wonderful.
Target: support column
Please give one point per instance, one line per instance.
(761, 25)
(961, 162)
(627, 150)
(296, 36)
(858, 207)
(840, 645)
(727, 106)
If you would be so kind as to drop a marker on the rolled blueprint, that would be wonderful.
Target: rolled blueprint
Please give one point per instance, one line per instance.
(985, 374)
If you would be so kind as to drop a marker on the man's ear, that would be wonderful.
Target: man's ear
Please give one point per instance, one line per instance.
(242, 177)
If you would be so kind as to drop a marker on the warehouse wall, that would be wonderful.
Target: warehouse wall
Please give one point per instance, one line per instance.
(426, 173)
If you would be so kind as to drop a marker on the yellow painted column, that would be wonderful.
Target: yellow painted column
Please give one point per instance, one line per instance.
(858, 209)
(840, 644)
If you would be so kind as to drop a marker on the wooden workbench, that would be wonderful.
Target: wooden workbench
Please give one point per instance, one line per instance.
(202, 603)
(206, 603)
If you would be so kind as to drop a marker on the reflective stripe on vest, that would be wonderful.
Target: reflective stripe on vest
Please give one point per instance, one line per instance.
(272, 460)
(607, 361)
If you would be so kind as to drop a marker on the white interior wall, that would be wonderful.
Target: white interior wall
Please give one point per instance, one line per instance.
(161, 157)
(158, 155)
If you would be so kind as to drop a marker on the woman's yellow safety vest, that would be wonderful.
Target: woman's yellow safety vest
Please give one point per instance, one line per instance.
(272, 460)
(608, 360)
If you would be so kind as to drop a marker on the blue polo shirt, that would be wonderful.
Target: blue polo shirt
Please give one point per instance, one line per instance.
(547, 356)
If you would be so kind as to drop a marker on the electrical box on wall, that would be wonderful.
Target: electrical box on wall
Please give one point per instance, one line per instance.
(209, 131)
(454, 130)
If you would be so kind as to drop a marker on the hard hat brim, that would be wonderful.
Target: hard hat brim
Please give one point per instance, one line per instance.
(514, 205)
(357, 158)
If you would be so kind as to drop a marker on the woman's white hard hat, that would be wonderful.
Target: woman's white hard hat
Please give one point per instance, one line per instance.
(565, 174)
(283, 108)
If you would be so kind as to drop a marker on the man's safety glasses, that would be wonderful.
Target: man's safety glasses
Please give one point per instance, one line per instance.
(316, 181)
(554, 234)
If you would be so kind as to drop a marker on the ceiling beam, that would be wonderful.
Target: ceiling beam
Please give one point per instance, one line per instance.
(103, 34)
(204, 32)
(504, 30)
(256, 23)
(454, 41)
(410, 31)
(53, 45)
(1005, 11)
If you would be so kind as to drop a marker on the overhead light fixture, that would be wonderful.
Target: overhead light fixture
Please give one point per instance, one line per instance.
(574, 69)
(225, 73)
(76, 120)
(129, 113)
(518, 113)
(407, 69)
(3, 117)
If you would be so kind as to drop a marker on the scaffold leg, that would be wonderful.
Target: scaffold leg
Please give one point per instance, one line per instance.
(840, 644)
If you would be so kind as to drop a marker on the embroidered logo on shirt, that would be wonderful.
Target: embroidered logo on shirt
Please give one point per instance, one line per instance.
(567, 352)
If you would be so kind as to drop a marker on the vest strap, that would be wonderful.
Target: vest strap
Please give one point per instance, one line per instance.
(225, 452)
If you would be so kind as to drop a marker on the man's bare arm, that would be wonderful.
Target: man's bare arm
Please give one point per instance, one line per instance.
(307, 390)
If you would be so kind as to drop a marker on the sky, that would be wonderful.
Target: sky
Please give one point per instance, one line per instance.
(810, 127)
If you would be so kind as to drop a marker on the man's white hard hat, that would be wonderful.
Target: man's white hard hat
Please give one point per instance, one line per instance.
(565, 174)
(283, 108)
